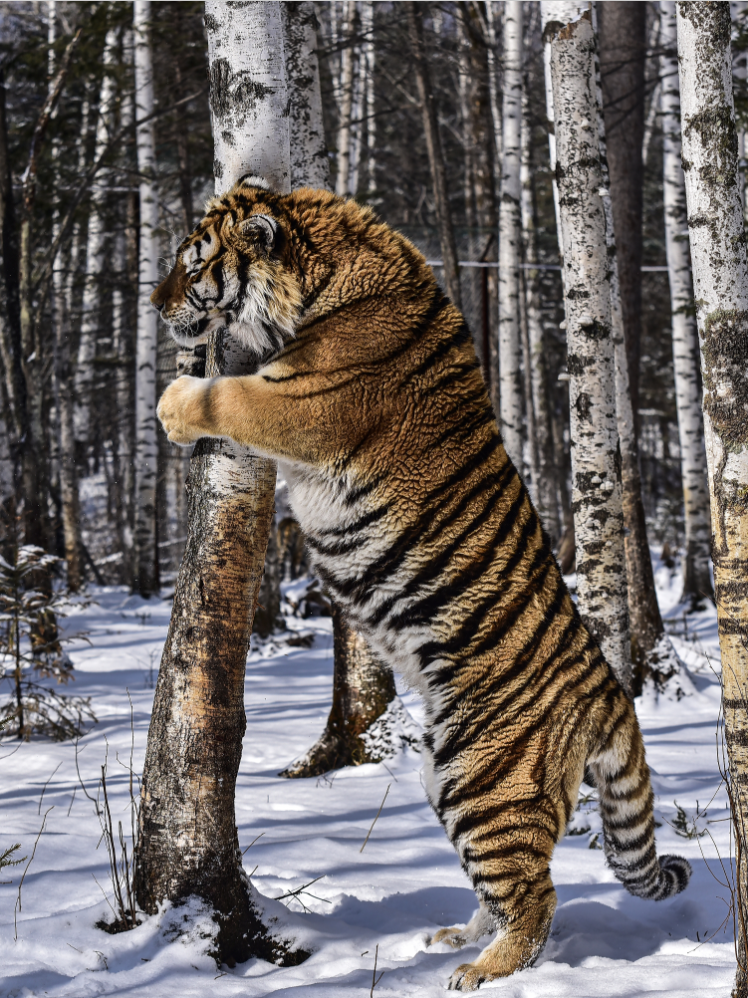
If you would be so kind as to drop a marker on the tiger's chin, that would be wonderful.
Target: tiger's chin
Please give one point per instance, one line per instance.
(197, 333)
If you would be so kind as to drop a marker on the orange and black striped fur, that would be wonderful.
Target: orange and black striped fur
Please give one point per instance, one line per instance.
(370, 396)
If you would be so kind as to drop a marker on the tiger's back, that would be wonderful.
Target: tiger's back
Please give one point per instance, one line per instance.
(422, 530)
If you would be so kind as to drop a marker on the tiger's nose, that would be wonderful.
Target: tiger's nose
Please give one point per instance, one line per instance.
(158, 305)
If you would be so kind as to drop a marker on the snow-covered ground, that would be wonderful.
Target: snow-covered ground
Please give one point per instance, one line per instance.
(394, 895)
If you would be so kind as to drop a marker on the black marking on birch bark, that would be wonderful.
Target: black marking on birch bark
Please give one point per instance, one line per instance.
(725, 347)
(231, 92)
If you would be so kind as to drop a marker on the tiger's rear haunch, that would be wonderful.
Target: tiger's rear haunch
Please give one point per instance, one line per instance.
(420, 526)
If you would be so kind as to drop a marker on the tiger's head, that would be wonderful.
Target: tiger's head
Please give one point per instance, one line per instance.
(231, 270)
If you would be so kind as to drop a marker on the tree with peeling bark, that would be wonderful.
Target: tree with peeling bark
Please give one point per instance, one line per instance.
(697, 582)
(434, 147)
(146, 442)
(720, 277)
(363, 686)
(596, 477)
(188, 843)
(510, 238)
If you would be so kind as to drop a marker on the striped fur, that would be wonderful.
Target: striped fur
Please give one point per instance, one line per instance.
(422, 530)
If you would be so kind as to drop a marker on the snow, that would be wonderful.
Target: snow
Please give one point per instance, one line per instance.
(395, 894)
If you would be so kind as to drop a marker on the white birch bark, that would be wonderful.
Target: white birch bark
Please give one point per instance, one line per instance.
(310, 164)
(146, 441)
(95, 250)
(493, 21)
(596, 482)
(188, 840)
(342, 179)
(369, 55)
(740, 72)
(720, 277)
(510, 381)
(696, 561)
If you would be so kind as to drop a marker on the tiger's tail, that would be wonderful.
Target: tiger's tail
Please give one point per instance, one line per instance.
(626, 803)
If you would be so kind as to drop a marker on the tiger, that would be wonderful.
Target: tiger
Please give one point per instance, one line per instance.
(369, 394)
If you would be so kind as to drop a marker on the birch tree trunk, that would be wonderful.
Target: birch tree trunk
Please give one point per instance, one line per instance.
(145, 579)
(436, 157)
(720, 277)
(697, 583)
(64, 380)
(310, 164)
(342, 179)
(596, 481)
(369, 54)
(91, 314)
(188, 841)
(544, 484)
(510, 238)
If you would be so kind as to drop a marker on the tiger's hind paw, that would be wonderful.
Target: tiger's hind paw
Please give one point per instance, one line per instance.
(454, 937)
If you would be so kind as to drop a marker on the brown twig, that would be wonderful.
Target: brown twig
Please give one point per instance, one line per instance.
(374, 979)
(375, 818)
(17, 907)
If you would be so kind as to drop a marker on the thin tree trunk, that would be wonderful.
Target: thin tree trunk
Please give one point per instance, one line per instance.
(188, 840)
(63, 384)
(146, 443)
(310, 164)
(697, 583)
(544, 481)
(511, 418)
(596, 481)
(622, 40)
(436, 157)
(720, 277)
(96, 254)
(342, 180)
(622, 50)
(369, 54)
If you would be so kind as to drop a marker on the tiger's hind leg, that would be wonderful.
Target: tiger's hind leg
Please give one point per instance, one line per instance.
(523, 914)
(481, 924)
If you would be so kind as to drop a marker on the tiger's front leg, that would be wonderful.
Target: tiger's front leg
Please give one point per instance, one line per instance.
(297, 426)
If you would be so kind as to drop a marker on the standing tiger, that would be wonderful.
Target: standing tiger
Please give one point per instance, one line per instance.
(370, 396)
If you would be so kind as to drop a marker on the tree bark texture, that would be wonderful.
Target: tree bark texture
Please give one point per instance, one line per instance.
(697, 582)
(544, 483)
(188, 843)
(436, 156)
(310, 164)
(342, 179)
(63, 383)
(146, 441)
(720, 277)
(596, 473)
(188, 840)
(622, 40)
(96, 249)
(511, 417)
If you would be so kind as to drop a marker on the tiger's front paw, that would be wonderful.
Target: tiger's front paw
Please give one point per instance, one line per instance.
(468, 977)
(184, 410)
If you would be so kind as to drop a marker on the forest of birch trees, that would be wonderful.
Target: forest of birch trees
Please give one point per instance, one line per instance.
(575, 173)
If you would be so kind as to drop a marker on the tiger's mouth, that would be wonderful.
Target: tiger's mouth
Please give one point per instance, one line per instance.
(195, 331)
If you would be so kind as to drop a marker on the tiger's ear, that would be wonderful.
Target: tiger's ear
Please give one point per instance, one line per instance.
(259, 230)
